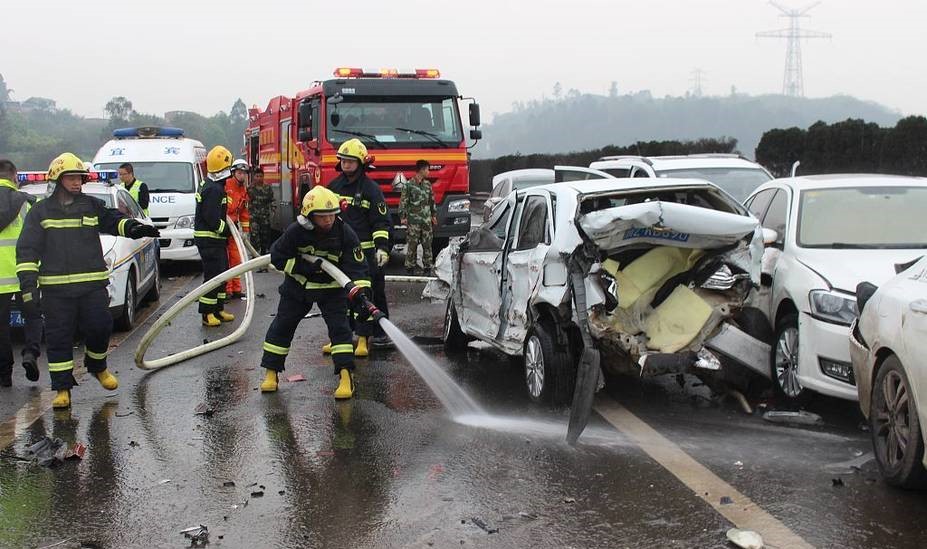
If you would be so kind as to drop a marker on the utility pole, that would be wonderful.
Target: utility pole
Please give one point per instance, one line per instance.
(793, 81)
(696, 79)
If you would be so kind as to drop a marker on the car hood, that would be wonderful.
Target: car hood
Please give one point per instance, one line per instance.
(667, 224)
(844, 269)
(171, 204)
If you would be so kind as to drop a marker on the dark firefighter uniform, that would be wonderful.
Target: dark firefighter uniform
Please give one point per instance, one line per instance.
(210, 233)
(306, 284)
(368, 215)
(59, 251)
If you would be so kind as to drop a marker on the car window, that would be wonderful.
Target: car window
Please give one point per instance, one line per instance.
(533, 229)
(498, 228)
(777, 213)
(124, 205)
(133, 205)
(639, 172)
(759, 203)
(618, 172)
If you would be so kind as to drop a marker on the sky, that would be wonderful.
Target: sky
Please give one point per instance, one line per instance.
(203, 55)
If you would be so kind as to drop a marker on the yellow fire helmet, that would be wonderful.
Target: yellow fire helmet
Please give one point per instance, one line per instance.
(218, 159)
(353, 149)
(64, 164)
(320, 200)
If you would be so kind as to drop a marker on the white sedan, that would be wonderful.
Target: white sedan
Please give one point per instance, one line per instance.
(888, 345)
(134, 274)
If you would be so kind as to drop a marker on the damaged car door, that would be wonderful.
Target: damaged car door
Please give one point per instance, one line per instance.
(480, 266)
(523, 266)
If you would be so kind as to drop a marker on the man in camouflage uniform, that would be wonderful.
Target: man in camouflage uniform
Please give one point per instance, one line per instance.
(417, 212)
(262, 210)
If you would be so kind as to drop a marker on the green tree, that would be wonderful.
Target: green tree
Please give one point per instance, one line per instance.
(119, 109)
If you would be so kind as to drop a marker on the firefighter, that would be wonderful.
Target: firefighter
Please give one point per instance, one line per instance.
(319, 232)
(59, 251)
(210, 233)
(366, 212)
(236, 189)
(14, 206)
(136, 187)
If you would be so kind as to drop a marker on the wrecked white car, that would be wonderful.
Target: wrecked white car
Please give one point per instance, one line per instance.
(642, 277)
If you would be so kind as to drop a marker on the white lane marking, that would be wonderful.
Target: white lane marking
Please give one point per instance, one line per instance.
(743, 512)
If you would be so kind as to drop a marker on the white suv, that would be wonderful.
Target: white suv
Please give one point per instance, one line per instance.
(733, 173)
(833, 232)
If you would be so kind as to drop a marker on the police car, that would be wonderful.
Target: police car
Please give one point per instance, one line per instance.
(134, 274)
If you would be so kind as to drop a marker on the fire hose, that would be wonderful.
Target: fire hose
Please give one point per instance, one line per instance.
(355, 294)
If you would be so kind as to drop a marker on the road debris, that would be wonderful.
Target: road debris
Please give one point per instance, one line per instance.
(296, 377)
(198, 535)
(127, 414)
(837, 482)
(745, 539)
(485, 527)
(787, 417)
(228, 484)
(203, 410)
(313, 314)
(726, 500)
(162, 482)
(49, 452)
(569, 500)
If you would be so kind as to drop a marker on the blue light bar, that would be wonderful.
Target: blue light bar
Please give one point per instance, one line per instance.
(148, 131)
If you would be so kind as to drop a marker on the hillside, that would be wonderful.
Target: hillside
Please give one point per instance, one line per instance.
(581, 122)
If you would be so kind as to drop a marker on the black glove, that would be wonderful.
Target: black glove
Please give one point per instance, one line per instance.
(305, 267)
(32, 297)
(141, 230)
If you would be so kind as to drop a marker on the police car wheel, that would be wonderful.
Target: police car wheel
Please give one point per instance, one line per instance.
(127, 321)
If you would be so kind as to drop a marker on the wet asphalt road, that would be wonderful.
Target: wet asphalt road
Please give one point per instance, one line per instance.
(390, 469)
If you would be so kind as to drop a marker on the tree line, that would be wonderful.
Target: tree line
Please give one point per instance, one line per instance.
(31, 137)
(851, 146)
(482, 171)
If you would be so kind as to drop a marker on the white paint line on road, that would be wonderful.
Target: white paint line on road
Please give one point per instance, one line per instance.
(38, 405)
(743, 512)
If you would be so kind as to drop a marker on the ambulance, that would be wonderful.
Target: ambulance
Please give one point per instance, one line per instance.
(173, 167)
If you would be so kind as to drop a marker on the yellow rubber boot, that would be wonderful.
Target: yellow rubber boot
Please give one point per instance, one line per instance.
(361, 349)
(327, 348)
(269, 385)
(62, 400)
(107, 380)
(211, 321)
(345, 385)
(225, 317)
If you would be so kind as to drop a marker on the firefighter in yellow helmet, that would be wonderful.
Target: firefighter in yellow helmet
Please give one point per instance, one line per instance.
(210, 233)
(368, 215)
(59, 252)
(318, 232)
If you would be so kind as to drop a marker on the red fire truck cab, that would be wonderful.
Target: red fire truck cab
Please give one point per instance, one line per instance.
(400, 117)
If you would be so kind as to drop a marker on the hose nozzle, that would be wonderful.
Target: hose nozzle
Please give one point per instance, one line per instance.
(362, 304)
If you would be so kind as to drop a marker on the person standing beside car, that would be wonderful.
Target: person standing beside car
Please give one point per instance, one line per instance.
(418, 213)
(59, 250)
(14, 205)
(136, 187)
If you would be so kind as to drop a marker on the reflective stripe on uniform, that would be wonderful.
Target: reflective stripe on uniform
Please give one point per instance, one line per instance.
(380, 234)
(362, 283)
(25, 267)
(90, 221)
(278, 350)
(27, 297)
(342, 348)
(350, 200)
(208, 301)
(50, 280)
(221, 295)
(8, 241)
(61, 366)
(121, 228)
(290, 264)
(367, 245)
(321, 285)
(95, 356)
(60, 223)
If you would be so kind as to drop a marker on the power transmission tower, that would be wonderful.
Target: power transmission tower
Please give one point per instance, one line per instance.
(696, 79)
(793, 82)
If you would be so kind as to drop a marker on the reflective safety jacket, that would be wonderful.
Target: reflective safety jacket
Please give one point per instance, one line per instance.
(339, 245)
(367, 213)
(238, 204)
(209, 227)
(139, 192)
(14, 206)
(59, 247)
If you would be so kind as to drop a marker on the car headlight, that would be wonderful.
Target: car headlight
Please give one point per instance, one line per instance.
(457, 206)
(833, 307)
(184, 222)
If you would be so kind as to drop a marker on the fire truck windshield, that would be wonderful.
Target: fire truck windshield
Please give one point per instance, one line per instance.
(161, 177)
(395, 122)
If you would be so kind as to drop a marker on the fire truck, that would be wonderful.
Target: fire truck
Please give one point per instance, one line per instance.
(401, 116)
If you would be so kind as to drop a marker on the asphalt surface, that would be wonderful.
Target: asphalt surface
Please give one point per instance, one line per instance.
(391, 469)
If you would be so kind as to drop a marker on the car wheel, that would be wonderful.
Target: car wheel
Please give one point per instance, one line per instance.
(455, 340)
(549, 372)
(127, 320)
(784, 360)
(154, 294)
(895, 428)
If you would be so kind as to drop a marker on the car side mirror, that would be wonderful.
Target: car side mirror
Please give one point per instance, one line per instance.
(305, 134)
(476, 134)
(771, 238)
(474, 114)
(305, 115)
